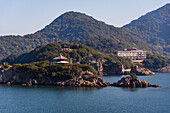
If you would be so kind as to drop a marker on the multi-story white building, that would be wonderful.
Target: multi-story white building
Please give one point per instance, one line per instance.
(133, 54)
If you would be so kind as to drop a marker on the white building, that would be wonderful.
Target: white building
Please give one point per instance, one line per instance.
(133, 54)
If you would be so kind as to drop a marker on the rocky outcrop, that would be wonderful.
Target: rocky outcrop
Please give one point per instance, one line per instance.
(85, 79)
(14, 77)
(82, 82)
(98, 66)
(134, 83)
(142, 71)
(113, 68)
(10, 76)
(103, 67)
(164, 69)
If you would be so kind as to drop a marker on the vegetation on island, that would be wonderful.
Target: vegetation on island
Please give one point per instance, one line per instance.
(133, 75)
(39, 62)
(77, 53)
(5, 65)
(82, 54)
(155, 61)
(45, 69)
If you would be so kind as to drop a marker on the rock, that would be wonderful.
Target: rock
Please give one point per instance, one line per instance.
(79, 85)
(115, 84)
(108, 84)
(30, 83)
(133, 84)
(144, 83)
(99, 83)
(62, 83)
(34, 82)
(105, 85)
(68, 83)
(99, 79)
(8, 83)
(80, 77)
(24, 84)
(58, 83)
(155, 85)
(164, 69)
(130, 82)
(149, 85)
(81, 81)
(11, 76)
(142, 71)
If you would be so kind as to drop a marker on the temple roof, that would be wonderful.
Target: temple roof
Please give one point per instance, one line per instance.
(60, 57)
(61, 62)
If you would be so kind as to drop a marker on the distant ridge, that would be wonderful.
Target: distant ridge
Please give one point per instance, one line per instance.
(153, 28)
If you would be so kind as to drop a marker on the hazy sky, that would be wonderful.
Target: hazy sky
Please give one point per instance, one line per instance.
(27, 16)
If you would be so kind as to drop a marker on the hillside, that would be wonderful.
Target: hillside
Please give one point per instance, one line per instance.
(153, 28)
(78, 28)
(77, 53)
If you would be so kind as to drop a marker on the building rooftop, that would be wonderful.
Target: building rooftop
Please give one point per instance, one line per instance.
(61, 62)
(60, 57)
(137, 50)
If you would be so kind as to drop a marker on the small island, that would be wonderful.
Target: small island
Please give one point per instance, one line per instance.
(132, 82)
(69, 64)
(62, 74)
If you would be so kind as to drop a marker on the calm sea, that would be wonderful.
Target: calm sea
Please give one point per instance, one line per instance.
(49, 99)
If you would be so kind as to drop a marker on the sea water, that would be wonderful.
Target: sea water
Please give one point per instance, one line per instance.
(52, 99)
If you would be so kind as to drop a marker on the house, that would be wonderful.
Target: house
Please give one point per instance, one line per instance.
(65, 47)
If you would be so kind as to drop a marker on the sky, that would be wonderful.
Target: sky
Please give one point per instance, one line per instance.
(20, 17)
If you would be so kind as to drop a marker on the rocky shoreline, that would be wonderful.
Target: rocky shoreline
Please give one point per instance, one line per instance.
(10, 76)
(134, 83)
(163, 69)
(90, 82)
(93, 82)
(142, 71)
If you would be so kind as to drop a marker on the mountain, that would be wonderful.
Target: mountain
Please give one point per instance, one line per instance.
(153, 28)
(74, 27)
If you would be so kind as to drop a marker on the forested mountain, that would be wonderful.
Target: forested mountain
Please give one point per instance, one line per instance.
(153, 28)
(74, 27)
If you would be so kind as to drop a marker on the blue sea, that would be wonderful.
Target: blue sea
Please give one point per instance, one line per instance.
(52, 99)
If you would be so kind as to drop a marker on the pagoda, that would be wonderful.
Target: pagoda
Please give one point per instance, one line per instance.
(60, 60)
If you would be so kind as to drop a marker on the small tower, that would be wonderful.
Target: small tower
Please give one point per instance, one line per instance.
(61, 60)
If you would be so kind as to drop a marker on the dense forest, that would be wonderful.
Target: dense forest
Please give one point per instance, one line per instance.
(45, 69)
(155, 61)
(82, 54)
(39, 62)
(153, 28)
(77, 53)
(75, 27)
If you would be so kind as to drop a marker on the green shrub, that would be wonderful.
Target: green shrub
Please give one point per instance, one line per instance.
(5, 65)
(94, 76)
(133, 75)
